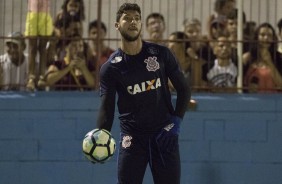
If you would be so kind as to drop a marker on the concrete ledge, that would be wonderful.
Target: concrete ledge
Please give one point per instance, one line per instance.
(229, 138)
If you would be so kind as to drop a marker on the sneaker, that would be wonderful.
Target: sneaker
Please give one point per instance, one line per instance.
(31, 84)
(41, 84)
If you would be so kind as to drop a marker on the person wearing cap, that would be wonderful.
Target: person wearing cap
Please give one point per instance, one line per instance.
(13, 64)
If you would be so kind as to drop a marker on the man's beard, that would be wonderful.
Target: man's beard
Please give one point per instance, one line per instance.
(129, 38)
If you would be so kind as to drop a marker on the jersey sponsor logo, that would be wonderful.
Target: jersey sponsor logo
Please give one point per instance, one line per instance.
(152, 64)
(144, 86)
(126, 141)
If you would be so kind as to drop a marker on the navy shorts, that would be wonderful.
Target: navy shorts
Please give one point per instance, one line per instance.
(136, 152)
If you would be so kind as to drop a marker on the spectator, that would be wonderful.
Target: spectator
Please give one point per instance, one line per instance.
(155, 26)
(231, 30)
(279, 25)
(198, 41)
(67, 27)
(14, 64)
(65, 30)
(217, 21)
(178, 43)
(93, 43)
(74, 72)
(263, 62)
(249, 29)
(222, 75)
(68, 22)
(39, 27)
(217, 29)
(199, 52)
(73, 9)
(232, 27)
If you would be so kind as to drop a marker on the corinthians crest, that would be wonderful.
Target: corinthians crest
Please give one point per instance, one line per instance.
(126, 141)
(152, 64)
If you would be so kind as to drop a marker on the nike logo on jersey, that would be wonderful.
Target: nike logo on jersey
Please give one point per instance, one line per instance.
(144, 86)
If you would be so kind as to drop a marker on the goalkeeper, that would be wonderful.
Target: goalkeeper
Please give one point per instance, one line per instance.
(138, 72)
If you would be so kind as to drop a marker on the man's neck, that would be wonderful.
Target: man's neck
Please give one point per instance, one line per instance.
(223, 62)
(131, 48)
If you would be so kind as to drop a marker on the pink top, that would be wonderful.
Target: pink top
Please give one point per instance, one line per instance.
(263, 76)
(39, 5)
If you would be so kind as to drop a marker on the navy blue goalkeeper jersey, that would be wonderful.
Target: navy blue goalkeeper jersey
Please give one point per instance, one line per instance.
(141, 84)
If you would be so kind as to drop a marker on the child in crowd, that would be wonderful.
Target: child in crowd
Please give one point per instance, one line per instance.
(39, 26)
(72, 8)
(222, 75)
(68, 22)
(66, 29)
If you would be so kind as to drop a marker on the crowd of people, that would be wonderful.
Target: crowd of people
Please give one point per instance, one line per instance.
(59, 58)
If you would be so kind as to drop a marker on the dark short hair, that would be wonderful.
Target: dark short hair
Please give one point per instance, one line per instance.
(154, 15)
(125, 7)
(234, 15)
(279, 25)
(94, 24)
(218, 4)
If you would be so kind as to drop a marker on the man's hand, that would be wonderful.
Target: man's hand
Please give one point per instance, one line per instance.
(167, 139)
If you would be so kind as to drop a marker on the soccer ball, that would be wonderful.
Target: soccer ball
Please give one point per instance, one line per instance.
(98, 145)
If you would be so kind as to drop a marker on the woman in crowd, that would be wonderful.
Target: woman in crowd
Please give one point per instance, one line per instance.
(74, 72)
(263, 62)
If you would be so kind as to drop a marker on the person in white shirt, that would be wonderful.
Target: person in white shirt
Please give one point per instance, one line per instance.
(13, 64)
(223, 73)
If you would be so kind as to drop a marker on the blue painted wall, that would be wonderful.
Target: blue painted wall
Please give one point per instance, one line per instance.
(228, 139)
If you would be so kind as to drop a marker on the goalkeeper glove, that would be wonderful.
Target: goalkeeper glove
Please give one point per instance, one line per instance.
(167, 139)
